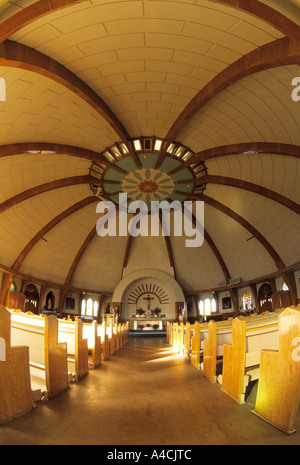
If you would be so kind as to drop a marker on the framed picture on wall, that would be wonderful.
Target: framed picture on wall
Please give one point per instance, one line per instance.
(70, 303)
(226, 303)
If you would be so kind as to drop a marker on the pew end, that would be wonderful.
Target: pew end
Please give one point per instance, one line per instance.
(278, 391)
(15, 390)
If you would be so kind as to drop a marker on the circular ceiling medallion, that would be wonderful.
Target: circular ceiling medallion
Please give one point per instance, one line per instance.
(148, 169)
(148, 185)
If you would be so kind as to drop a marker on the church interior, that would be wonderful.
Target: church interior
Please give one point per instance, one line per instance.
(118, 324)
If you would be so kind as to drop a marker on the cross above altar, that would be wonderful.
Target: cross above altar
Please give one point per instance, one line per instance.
(148, 298)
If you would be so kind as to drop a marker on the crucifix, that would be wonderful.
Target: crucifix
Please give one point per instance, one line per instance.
(148, 298)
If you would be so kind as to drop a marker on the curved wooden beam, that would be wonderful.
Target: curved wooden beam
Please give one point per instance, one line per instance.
(266, 13)
(218, 256)
(213, 248)
(280, 52)
(20, 56)
(252, 230)
(79, 254)
(249, 186)
(32, 13)
(253, 7)
(22, 148)
(54, 222)
(42, 188)
(274, 148)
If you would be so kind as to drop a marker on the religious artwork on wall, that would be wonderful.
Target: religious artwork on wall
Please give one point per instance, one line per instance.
(265, 291)
(50, 301)
(31, 292)
(70, 303)
(148, 299)
(247, 300)
(226, 303)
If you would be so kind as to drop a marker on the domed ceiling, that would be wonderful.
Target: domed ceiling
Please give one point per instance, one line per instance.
(187, 100)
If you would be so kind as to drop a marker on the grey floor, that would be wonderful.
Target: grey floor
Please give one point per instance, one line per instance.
(144, 395)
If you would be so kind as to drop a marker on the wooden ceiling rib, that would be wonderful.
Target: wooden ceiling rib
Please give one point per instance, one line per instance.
(54, 222)
(22, 148)
(252, 230)
(18, 55)
(79, 254)
(214, 249)
(32, 13)
(266, 13)
(249, 186)
(218, 256)
(253, 7)
(277, 53)
(42, 188)
(274, 148)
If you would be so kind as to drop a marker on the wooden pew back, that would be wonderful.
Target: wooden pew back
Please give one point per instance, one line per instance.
(278, 392)
(15, 390)
(210, 353)
(48, 356)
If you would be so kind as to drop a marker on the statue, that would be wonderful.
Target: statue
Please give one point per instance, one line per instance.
(148, 298)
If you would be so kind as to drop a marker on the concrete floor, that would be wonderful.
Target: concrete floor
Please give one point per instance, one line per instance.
(144, 395)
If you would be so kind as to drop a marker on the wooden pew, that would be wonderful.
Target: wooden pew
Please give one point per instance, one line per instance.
(223, 336)
(187, 340)
(195, 346)
(180, 342)
(278, 392)
(15, 389)
(234, 361)
(104, 340)
(81, 359)
(168, 328)
(112, 338)
(209, 365)
(96, 345)
(241, 359)
(48, 357)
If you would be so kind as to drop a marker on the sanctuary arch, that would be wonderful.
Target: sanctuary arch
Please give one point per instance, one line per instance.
(148, 288)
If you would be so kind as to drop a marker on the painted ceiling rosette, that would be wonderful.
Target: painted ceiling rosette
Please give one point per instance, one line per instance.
(148, 185)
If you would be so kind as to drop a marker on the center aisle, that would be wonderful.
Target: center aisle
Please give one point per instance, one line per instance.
(144, 395)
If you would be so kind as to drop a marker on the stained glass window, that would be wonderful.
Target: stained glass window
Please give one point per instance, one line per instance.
(247, 300)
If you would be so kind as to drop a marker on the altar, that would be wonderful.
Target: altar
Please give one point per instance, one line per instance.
(147, 323)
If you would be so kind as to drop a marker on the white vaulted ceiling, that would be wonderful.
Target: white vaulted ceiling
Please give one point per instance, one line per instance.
(212, 75)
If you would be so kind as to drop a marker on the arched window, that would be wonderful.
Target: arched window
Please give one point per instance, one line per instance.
(12, 287)
(207, 306)
(95, 308)
(213, 305)
(89, 307)
(247, 300)
(284, 287)
(201, 307)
